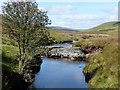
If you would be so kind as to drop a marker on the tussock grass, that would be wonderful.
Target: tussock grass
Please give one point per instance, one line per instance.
(106, 63)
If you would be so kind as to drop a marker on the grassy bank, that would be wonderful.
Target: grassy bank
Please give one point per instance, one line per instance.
(102, 67)
(11, 78)
(9, 62)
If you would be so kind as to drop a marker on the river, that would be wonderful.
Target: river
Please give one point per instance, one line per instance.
(58, 73)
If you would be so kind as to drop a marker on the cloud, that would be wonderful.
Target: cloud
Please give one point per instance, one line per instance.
(81, 17)
(60, 9)
(114, 10)
(111, 18)
(82, 21)
(112, 14)
(77, 21)
(75, 17)
(111, 11)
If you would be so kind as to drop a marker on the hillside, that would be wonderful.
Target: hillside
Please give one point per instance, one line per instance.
(64, 29)
(105, 28)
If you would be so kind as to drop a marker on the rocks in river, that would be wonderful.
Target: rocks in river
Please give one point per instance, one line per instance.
(73, 53)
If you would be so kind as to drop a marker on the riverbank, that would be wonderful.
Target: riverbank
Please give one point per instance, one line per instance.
(11, 78)
(102, 69)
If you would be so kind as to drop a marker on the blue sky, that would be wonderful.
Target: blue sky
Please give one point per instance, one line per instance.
(80, 14)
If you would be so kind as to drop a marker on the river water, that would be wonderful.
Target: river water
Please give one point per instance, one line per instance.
(58, 73)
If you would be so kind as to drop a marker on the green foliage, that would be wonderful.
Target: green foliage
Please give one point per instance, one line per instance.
(26, 24)
(8, 41)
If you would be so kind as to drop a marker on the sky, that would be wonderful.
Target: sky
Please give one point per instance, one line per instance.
(79, 14)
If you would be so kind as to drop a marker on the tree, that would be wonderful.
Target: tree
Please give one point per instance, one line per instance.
(25, 23)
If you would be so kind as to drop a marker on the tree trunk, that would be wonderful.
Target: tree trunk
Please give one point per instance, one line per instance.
(20, 54)
(20, 66)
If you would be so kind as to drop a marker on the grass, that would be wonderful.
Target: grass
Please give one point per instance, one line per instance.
(93, 42)
(61, 36)
(9, 56)
(104, 66)
(110, 28)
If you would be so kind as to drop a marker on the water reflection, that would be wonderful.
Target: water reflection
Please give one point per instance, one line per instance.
(60, 74)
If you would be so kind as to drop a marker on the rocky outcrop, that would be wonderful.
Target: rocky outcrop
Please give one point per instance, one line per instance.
(92, 49)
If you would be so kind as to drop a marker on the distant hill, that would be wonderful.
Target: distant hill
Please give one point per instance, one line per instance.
(105, 28)
(63, 29)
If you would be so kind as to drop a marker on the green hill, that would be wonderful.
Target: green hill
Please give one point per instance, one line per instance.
(105, 28)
